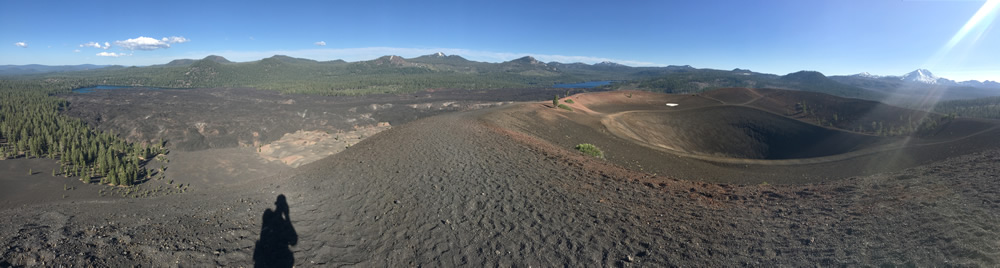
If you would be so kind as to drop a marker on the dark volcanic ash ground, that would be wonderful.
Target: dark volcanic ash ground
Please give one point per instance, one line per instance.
(465, 189)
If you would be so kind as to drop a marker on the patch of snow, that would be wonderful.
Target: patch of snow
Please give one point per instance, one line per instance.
(868, 75)
(921, 76)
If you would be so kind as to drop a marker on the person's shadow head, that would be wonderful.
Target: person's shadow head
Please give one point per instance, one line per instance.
(276, 235)
(281, 207)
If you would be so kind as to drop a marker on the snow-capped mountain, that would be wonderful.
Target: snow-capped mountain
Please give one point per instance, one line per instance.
(926, 77)
(923, 76)
(867, 75)
(609, 64)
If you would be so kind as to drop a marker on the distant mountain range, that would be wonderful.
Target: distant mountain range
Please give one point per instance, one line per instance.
(923, 76)
(388, 74)
(920, 87)
(38, 69)
(926, 77)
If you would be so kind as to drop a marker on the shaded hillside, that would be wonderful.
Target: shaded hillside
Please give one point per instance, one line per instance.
(740, 132)
(186, 62)
(749, 140)
(695, 80)
(916, 94)
(700, 80)
(988, 107)
(856, 115)
(817, 82)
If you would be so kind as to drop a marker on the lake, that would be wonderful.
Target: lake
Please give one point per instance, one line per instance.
(591, 84)
(92, 89)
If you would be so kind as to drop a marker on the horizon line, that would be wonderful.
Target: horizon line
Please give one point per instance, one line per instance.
(371, 53)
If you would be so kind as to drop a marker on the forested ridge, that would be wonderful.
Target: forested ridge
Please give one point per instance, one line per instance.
(988, 107)
(699, 80)
(390, 74)
(394, 74)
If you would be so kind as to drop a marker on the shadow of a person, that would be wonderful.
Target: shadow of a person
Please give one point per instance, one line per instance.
(276, 235)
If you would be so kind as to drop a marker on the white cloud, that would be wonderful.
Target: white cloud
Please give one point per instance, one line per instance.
(76, 51)
(142, 43)
(175, 39)
(320, 43)
(111, 54)
(21, 44)
(148, 43)
(97, 45)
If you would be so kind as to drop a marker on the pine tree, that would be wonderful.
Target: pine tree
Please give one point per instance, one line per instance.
(122, 176)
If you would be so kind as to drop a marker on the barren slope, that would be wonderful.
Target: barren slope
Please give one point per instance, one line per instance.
(737, 132)
(477, 188)
(478, 194)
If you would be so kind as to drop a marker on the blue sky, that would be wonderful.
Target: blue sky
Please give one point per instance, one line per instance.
(888, 37)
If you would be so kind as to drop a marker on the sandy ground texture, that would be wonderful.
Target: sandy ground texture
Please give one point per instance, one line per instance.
(475, 188)
(303, 147)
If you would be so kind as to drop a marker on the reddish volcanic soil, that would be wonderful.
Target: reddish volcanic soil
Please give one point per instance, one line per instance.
(503, 187)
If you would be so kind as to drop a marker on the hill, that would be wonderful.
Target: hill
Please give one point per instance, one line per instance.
(856, 115)
(749, 136)
(395, 74)
(8, 70)
(691, 80)
(386, 74)
(186, 62)
(919, 89)
(988, 107)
